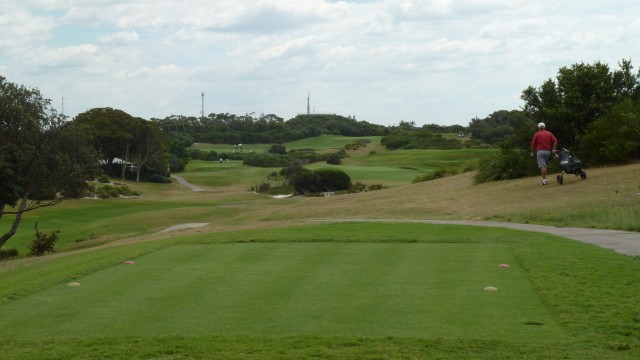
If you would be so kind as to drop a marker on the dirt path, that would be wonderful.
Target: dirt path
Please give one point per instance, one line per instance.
(622, 242)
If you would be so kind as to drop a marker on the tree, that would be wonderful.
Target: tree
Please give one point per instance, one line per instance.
(580, 94)
(615, 137)
(113, 132)
(149, 147)
(43, 159)
(278, 149)
(117, 134)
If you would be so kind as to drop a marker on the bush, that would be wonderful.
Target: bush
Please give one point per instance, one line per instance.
(177, 164)
(43, 243)
(305, 181)
(334, 159)
(211, 156)
(104, 179)
(156, 178)
(613, 138)
(266, 160)
(5, 254)
(109, 191)
(505, 165)
(278, 149)
(195, 154)
(263, 187)
(437, 174)
(332, 180)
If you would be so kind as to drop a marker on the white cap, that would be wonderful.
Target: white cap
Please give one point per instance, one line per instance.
(541, 125)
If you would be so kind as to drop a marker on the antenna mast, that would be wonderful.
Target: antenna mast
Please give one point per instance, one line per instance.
(202, 112)
(308, 104)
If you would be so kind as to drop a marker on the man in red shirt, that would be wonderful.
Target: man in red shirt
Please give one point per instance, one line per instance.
(543, 144)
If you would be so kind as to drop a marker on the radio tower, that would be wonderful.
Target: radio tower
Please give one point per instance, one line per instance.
(308, 105)
(202, 111)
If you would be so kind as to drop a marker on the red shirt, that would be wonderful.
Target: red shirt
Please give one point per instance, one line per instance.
(543, 140)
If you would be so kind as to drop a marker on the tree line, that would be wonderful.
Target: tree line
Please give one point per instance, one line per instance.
(225, 128)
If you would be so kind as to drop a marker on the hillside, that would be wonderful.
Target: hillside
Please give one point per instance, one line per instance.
(609, 198)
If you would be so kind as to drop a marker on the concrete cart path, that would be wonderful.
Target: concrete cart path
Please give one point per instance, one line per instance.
(622, 242)
(184, 182)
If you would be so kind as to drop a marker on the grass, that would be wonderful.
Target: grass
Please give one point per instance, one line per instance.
(380, 167)
(243, 289)
(348, 290)
(320, 143)
(330, 142)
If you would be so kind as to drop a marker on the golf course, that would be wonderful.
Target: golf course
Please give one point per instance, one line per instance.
(228, 273)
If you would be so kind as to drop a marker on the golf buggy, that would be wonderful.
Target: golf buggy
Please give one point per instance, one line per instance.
(570, 165)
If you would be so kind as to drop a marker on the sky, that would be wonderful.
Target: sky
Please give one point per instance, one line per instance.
(382, 61)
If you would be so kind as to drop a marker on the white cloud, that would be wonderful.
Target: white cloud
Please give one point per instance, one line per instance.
(418, 60)
(124, 38)
(72, 56)
(19, 27)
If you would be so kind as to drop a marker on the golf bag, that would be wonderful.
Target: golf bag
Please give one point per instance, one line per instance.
(570, 165)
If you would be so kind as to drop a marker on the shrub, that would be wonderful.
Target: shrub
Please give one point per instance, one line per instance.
(43, 243)
(334, 159)
(156, 178)
(195, 154)
(504, 165)
(263, 187)
(177, 164)
(278, 149)
(126, 191)
(613, 138)
(332, 180)
(109, 191)
(305, 181)
(211, 156)
(5, 254)
(104, 179)
(266, 160)
(360, 187)
(437, 174)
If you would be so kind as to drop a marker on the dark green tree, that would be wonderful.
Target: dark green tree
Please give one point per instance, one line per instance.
(43, 159)
(149, 149)
(278, 149)
(578, 96)
(615, 137)
(137, 142)
(113, 132)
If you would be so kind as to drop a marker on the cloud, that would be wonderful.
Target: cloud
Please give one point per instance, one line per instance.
(19, 28)
(72, 56)
(121, 38)
(381, 60)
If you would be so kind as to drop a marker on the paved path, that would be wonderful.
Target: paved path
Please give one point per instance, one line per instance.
(184, 182)
(623, 242)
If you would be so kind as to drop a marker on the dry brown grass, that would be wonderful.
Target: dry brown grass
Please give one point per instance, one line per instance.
(606, 190)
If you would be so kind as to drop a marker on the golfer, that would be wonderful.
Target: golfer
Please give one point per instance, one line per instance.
(543, 144)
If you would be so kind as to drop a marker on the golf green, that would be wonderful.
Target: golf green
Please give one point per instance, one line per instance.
(280, 289)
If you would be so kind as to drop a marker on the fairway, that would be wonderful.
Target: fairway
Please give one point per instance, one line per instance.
(283, 289)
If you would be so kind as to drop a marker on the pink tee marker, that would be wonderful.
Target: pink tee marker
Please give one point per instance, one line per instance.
(129, 262)
(503, 266)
